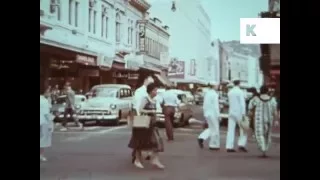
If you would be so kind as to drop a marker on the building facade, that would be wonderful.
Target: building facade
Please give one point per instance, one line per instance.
(87, 39)
(190, 39)
(270, 53)
(246, 68)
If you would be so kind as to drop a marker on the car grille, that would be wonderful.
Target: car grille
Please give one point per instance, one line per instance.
(95, 112)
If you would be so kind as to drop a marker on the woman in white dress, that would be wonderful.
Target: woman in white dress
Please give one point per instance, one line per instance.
(264, 109)
(46, 126)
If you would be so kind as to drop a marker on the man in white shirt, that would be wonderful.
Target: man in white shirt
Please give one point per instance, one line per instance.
(211, 112)
(139, 94)
(171, 102)
(237, 110)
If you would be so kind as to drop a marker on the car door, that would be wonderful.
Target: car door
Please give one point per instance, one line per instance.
(187, 109)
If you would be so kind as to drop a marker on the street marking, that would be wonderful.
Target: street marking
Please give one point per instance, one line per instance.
(89, 135)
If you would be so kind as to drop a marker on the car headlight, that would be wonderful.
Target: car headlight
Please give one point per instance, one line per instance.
(113, 106)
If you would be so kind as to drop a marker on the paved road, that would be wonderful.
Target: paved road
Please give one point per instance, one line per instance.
(102, 154)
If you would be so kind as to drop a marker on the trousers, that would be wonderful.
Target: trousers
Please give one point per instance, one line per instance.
(242, 140)
(169, 118)
(212, 132)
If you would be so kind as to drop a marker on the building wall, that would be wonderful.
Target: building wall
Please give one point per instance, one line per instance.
(84, 41)
(157, 39)
(239, 67)
(189, 29)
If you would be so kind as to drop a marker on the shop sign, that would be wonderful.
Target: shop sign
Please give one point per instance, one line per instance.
(142, 34)
(176, 69)
(87, 60)
(90, 72)
(105, 61)
(133, 62)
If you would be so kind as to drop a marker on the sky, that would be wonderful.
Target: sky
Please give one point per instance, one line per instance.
(225, 16)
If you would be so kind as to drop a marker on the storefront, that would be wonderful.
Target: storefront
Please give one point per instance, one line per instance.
(58, 65)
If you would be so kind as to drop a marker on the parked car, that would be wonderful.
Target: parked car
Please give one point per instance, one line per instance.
(109, 103)
(190, 97)
(183, 112)
(59, 106)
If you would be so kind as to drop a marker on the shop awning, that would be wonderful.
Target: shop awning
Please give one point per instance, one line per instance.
(164, 80)
(150, 67)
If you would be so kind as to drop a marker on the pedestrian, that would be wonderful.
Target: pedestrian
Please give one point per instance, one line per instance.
(211, 112)
(171, 102)
(251, 113)
(237, 111)
(139, 95)
(46, 126)
(70, 108)
(47, 94)
(147, 139)
(265, 107)
(55, 93)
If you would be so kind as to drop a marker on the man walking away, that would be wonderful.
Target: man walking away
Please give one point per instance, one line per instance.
(211, 112)
(171, 102)
(237, 110)
(70, 108)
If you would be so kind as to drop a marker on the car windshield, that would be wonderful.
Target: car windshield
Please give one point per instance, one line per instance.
(106, 92)
(62, 99)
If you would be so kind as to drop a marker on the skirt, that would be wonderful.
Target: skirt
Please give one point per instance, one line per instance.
(146, 139)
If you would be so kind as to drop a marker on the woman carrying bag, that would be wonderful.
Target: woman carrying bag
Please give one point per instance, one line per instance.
(145, 135)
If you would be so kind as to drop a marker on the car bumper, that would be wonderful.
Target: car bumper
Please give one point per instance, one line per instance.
(160, 118)
(92, 117)
(98, 117)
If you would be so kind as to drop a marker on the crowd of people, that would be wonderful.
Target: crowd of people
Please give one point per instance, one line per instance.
(261, 110)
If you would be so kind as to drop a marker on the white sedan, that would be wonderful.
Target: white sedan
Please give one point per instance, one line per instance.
(111, 103)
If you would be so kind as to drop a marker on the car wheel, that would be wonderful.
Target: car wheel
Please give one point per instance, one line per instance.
(197, 103)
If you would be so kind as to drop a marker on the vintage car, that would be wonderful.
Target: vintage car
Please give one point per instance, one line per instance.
(109, 103)
(59, 106)
(183, 112)
(189, 96)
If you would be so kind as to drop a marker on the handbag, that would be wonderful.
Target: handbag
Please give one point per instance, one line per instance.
(245, 123)
(141, 121)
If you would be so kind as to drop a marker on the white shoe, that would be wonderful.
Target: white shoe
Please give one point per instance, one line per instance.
(64, 129)
(138, 164)
(42, 158)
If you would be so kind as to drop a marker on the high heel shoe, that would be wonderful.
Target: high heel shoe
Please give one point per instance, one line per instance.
(155, 162)
(138, 164)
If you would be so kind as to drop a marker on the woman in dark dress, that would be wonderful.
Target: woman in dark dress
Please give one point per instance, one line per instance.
(147, 139)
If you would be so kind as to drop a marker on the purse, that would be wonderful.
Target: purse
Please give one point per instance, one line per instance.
(141, 121)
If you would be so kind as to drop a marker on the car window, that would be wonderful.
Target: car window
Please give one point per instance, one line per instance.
(129, 93)
(122, 93)
(106, 92)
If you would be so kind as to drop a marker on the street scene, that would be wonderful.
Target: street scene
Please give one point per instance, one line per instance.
(157, 89)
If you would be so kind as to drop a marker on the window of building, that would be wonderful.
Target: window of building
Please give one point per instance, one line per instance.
(73, 12)
(70, 11)
(76, 14)
(92, 24)
(129, 34)
(104, 21)
(55, 8)
(137, 37)
(118, 27)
